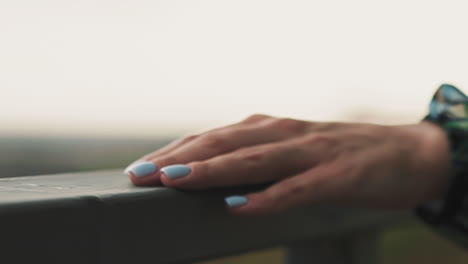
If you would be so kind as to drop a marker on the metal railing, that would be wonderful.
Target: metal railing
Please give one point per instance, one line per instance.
(99, 217)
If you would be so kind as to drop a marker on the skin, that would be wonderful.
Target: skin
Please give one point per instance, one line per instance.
(352, 164)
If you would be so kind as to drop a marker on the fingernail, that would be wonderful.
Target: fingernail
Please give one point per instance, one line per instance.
(133, 164)
(176, 171)
(236, 200)
(143, 169)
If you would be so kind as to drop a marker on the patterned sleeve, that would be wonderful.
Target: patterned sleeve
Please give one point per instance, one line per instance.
(449, 109)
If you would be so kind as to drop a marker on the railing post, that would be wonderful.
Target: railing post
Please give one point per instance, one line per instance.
(359, 248)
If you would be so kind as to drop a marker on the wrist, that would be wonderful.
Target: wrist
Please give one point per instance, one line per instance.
(432, 159)
(449, 110)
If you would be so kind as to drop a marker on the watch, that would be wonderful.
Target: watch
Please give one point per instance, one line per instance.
(449, 110)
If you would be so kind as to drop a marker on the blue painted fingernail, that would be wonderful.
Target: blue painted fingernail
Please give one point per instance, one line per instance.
(133, 164)
(143, 169)
(236, 200)
(176, 171)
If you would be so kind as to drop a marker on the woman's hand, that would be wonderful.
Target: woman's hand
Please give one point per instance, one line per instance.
(346, 163)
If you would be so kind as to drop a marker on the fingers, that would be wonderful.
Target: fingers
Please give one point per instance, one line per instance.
(182, 141)
(258, 164)
(226, 140)
(133, 171)
(170, 147)
(140, 177)
(305, 188)
(218, 142)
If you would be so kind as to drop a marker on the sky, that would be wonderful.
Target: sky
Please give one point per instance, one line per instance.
(150, 68)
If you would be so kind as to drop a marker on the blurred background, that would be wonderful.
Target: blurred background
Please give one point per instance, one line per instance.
(91, 85)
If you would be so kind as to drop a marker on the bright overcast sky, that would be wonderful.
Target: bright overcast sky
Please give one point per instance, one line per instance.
(149, 67)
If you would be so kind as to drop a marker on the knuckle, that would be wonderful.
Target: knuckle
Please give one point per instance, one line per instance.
(200, 169)
(324, 126)
(289, 124)
(273, 202)
(189, 138)
(320, 139)
(255, 118)
(254, 155)
(294, 189)
(213, 140)
(269, 199)
(204, 175)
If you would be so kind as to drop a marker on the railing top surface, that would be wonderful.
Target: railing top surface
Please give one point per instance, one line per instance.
(152, 225)
(101, 184)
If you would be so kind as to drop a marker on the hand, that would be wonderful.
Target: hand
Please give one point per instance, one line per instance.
(345, 163)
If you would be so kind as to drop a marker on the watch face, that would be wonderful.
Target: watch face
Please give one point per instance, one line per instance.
(448, 104)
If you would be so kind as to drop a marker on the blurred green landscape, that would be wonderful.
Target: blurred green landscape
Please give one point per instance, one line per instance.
(23, 156)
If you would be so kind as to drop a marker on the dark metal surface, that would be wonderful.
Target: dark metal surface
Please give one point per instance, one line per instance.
(357, 248)
(98, 217)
